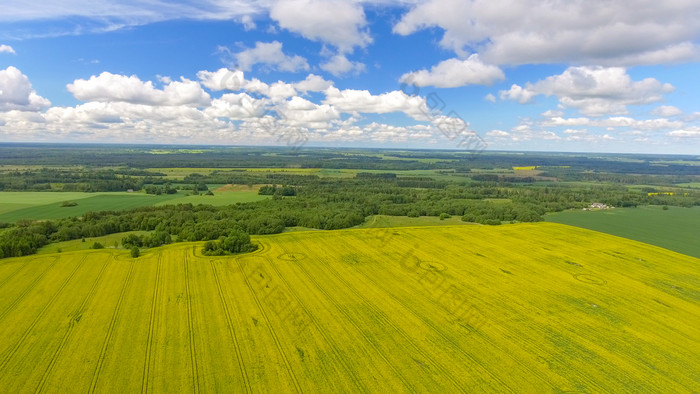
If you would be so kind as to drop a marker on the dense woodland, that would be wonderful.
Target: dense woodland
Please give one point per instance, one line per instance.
(314, 202)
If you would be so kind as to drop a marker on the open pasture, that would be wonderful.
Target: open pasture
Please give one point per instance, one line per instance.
(676, 228)
(46, 205)
(431, 309)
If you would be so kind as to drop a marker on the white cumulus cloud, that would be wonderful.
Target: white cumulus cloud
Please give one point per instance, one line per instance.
(313, 83)
(594, 91)
(340, 23)
(569, 31)
(16, 92)
(270, 55)
(350, 100)
(666, 111)
(453, 73)
(339, 65)
(108, 87)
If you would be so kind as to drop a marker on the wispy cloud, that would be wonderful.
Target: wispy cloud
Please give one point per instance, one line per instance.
(6, 49)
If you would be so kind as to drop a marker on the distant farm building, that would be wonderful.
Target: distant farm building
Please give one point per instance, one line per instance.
(598, 205)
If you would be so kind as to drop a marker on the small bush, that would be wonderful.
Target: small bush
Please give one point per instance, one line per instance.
(97, 245)
(135, 252)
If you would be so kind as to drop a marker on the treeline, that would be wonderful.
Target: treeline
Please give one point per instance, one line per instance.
(238, 177)
(330, 203)
(502, 178)
(141, 158)
(79, 180)
(274, 190)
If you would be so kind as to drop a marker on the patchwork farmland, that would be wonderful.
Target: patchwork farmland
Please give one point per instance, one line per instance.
(440, 309)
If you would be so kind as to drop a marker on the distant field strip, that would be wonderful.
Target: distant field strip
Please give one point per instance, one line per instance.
(677, 228)
(515, 308)
(47, 205)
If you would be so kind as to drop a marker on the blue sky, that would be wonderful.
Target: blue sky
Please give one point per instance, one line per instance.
(591, 76)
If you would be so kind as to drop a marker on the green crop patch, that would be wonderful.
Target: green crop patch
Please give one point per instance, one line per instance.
(673, 228)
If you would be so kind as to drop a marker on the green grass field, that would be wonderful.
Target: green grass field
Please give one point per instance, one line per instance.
(692, 185)
(677, 228)
(423, 309)
(108, 241)
(47, 205)
(39, 209)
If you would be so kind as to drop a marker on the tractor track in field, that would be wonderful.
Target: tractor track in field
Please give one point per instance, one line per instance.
(444, 336)
(14, 273)
(110, 330)
(293, 376)
(151, 326)
(28, 289)
(231, 330)
(359, 329)
(71, 325)
(382, 316)
(190, 325)
(524, 344)
(350, 372)
(6, 358)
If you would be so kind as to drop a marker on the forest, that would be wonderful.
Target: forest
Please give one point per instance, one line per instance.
(478, 194)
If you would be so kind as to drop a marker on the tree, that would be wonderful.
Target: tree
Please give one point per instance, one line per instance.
(132, 240)
(267, 190)
(237, 241)
(97, 245)
(135, 252)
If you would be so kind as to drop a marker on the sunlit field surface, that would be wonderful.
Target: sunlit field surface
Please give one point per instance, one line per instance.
(439, 309)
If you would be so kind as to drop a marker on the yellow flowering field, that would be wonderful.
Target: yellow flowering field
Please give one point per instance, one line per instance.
(514, 308)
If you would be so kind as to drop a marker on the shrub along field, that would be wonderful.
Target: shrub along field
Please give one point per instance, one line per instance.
(439, 309)
(673, 228)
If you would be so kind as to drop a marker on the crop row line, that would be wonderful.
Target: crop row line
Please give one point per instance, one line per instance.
(14, 273)
(396, 328)
(151, 326)
(231, 329)
(71, 326)
(190, 323)
(110, 330)
(295, 381)
(27, 289)
(53, 298)
(428, 323)
(349, 370)
(358, 328)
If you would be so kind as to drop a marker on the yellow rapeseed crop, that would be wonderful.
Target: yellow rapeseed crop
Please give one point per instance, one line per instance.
(528, 168)
(519, 308)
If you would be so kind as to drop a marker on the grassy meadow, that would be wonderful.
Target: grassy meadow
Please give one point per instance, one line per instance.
(41, 208)
(677, 228)
(108, 241)
(44, 205)
(415, 309)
